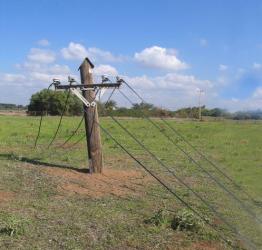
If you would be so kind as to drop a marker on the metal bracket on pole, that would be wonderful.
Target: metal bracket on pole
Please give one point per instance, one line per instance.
(88, 98)
(78, 94)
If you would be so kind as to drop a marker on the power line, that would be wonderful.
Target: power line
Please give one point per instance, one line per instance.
(165, 185)
(71, 136)
(251, 213)
(187, 154)
(208, 160)
(40, 122)
(210, 207)
(60, 121)
(64, 149)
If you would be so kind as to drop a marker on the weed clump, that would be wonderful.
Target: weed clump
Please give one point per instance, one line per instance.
(158, 219)
(186, 221)
(11, 225)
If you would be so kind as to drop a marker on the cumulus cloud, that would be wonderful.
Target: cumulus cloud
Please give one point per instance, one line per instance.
(257, 66)
(104, 69)
(45, 78)
(171, 90)
(46, 73)
(102, 55)
(160, 58)
(170, 81)
(44, 68)
(74, 51)
(59, 69)
(13, 78)
(41, 56)
(223, 67)
(77, 51)
(43, 42)
(258, 93)
(141, 82)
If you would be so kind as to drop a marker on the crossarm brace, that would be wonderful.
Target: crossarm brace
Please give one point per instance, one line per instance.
(76, 93)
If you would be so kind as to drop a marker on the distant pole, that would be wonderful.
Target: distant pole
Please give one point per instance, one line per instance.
(199, 105)
(93, 138)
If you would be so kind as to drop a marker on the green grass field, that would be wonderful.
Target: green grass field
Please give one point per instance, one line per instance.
(48, 201)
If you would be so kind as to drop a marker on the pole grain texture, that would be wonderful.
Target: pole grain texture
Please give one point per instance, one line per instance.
(93, 138)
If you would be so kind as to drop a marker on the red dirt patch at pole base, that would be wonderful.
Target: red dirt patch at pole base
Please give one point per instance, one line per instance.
(119, 183)
(6, 196)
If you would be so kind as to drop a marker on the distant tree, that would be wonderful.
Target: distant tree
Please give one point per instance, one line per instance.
(53, 102)
(144, 106)
(111, 105)
(246, 115)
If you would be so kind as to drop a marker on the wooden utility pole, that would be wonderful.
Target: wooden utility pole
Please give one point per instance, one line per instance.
(93, 138)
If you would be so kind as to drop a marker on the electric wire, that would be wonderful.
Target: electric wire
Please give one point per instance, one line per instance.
(61, 117)
(208, 160)
(82, 137)
(40, 122)
(60, 121)
(210, 207)
(72, 135)
(187, 154)
(108, 99)
(141, 164)
(251, 213)
(165, 185)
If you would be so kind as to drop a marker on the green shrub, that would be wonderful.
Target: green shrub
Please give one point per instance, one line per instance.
(11, 225)
(159, 219)
(186, 221)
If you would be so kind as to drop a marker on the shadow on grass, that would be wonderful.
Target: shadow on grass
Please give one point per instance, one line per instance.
(41, 163)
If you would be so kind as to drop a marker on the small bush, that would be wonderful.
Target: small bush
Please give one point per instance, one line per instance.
(159, 219)
(11, 225)
(186, 221)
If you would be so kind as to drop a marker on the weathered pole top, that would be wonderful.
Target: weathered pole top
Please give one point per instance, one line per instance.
(86, 60)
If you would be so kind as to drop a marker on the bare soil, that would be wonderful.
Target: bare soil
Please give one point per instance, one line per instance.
(13, 113)
(119, 183)
(205, 246)
(6, 196)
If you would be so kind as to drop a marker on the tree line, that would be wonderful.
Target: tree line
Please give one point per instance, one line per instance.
(51, 102)
(10, 106)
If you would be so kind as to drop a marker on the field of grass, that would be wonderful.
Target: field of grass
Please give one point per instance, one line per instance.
(49, 201)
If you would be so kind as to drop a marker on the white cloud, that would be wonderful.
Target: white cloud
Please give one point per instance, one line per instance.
(170, 81)
(41, 56)
(74, 51)
(59, 69)
(44, 68)
(258, 93)
(13, 77)
(141, 82)
(171, 90)
(203, 42)
(257, 66)
(77, 51)
(45, 78)
(161, 58)
(102, 55)
(104, 69)
(223, 67)
(43, 42)
(222, 80)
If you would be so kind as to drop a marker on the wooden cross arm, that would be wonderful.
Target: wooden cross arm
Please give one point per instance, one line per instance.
(89, 86)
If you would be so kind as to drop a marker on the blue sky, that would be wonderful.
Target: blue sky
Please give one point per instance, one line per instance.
(167, 50)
